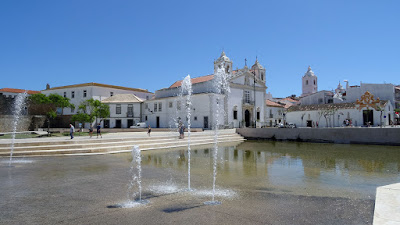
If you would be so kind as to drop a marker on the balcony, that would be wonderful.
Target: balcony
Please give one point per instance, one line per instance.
(248, 102)
(129, 114)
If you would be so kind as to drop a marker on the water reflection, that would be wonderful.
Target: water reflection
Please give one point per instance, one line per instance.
(283, 165)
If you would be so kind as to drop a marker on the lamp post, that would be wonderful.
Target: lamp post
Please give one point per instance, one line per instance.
(255, 108)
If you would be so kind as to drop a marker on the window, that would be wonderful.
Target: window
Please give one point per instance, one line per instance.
(72, 110)
(235, 114)
(178, 105)
(159, 106)
(130, 110)
(146, 106)
(111, 94)
(72, 94)
(65, 94)
(147, 97)
(306, 82)
(247, 96)
(118, 109)
(258, 115)
(314, 82)
(155, 107)
(145, 118)
(170, 104)
(195, 118)
(262, 76)
(320, 100)
(84, 93)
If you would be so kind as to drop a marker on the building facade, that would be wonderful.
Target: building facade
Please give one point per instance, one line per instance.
(125, 111)
(243, 103)
(82, 92)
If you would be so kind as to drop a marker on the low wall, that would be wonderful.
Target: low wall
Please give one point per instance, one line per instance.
(25, 123)
(380, 136)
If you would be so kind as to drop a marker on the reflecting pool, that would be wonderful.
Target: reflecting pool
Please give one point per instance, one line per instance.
(258, 182)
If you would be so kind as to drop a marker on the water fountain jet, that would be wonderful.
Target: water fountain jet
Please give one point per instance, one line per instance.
(19, 104)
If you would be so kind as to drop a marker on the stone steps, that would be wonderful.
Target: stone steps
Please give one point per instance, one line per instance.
(98, 143)
(113, 145)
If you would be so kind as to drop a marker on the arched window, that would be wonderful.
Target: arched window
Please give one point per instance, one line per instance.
(262, 76)
(314, 82)
(227, 69)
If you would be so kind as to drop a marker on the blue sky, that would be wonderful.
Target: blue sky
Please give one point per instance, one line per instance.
(151, 44)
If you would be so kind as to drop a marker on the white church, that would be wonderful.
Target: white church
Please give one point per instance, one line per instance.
(243, 105)
(363, 105)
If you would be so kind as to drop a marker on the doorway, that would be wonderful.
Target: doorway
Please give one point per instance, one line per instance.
(158, 122)
(368, 117)
(130, 123)
(205, 123)
(309, 123)
(118, 123)
(106, 123)
(247, 118)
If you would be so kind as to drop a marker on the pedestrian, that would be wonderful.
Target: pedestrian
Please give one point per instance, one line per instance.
(91, 130)
(182, 130)
(71, 130)
(148, 131)
(98, 131)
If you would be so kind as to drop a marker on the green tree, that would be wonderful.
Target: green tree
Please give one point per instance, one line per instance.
(50, 103)
(92, 110)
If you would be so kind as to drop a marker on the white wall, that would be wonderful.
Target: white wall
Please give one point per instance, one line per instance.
(336, 120)
(95, 92)
(202, 105)
(381, 91)
(277, 115)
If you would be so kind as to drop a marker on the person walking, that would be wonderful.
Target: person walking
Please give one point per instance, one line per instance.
(148, 131)
(181, 131)
(98, 130)
(91, 130)
(71, 130)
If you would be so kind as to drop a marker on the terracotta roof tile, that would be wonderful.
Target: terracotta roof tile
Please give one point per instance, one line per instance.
(14, 90)
(272, 103)
(194, 80)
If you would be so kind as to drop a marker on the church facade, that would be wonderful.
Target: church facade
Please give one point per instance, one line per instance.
(243, 105)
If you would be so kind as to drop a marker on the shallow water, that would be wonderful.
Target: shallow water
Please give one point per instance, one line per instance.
(259, 182)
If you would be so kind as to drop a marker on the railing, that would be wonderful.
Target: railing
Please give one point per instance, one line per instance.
(249, 102)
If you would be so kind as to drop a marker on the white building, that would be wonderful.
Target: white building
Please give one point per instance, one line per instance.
(309, 83)
(125, 111)
(12, 92)
(334, 115)
(273, 113)
(80, 92)
(320, 97)
(244, 105)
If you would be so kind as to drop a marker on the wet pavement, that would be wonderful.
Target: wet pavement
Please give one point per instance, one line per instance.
(258, 183)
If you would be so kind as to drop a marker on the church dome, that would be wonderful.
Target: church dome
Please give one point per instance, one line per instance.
(309, 72)
(223, 58)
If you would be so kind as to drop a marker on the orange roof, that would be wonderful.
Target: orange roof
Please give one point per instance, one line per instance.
(194, 80)
(273, 104)
(14, 90)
